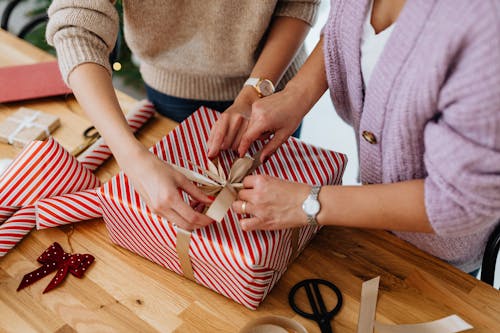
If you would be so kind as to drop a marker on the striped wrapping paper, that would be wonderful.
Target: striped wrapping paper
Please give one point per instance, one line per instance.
(243, 266)
(99, 152)
(44, 169)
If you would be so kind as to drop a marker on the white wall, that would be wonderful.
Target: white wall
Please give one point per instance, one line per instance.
(322, 127)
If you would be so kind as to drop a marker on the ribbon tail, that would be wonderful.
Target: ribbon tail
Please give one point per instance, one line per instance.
(15, 228)
(194, 176)
(57, 279)
(222, 203)
(67, 209)
(37, 274)
(450, 324)
(182, 248)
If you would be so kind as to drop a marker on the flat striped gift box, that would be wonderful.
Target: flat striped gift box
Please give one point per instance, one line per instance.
(243, 266)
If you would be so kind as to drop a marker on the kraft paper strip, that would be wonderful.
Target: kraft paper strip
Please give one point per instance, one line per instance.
(366, 320)
(182, 248)
(450, 324)
(368, 305)
(273, 324)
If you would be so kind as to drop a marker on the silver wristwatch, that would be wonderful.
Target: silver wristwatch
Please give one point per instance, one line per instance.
(311, 205)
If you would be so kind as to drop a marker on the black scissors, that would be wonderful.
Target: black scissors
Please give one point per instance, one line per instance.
(91, 135)
(319, 313)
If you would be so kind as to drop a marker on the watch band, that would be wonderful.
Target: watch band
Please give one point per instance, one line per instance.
(251, 81)
(311, 219)
(315, 191)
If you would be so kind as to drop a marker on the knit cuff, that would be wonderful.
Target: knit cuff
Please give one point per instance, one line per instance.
(304, 10)
(73, 51)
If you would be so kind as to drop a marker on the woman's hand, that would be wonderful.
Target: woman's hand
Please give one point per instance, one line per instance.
(271, 203)
(227, 131)
(158, 184)
(278, 116)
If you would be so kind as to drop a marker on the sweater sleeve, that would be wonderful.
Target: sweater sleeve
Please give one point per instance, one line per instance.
(82, 31)
(305, 10)
(462, 147)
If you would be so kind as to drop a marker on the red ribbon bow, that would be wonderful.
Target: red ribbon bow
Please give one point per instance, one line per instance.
(54, 258)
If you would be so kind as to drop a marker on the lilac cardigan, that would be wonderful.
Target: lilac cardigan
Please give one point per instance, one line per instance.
(433, 105)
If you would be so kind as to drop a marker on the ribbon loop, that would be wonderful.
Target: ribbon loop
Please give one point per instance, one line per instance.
(215, 182)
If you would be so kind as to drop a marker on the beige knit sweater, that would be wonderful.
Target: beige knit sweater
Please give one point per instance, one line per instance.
(201, 49)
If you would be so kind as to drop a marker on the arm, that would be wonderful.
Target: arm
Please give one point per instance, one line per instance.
(396, 206)
(282, 112)
(461, 193)
(83, 51)
(286, 35)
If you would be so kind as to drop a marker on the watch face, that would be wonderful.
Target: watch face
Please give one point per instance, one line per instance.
(311, 206)
(266, 87)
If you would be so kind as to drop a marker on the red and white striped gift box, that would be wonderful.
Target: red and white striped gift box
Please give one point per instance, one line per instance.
(243, 266)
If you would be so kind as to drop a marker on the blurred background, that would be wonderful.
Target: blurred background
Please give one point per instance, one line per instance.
(321, 126)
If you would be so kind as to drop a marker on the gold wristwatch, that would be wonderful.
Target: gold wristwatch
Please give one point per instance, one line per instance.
(264, 87)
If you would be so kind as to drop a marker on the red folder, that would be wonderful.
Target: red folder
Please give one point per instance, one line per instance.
(23, 82)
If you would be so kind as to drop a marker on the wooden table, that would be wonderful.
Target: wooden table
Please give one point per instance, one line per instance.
(123, 292)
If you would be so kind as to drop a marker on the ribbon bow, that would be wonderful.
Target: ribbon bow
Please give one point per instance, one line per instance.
(215, 182)
(54, 258)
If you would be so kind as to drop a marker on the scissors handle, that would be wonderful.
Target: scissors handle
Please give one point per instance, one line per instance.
(319, 312)
(325, 326)
(83, 146)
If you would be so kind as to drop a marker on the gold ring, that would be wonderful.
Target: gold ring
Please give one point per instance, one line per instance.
(244, 207)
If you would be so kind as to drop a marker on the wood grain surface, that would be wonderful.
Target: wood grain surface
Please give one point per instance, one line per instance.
(123, 292)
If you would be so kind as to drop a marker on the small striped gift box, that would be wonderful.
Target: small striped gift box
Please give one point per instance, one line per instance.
(243, 266)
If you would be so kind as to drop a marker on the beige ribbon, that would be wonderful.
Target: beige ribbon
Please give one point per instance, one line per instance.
(184, 239)
(368, 306)
(215, 182)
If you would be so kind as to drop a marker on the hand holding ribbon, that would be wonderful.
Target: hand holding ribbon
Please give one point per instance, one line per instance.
(54, 258)
(215, 182)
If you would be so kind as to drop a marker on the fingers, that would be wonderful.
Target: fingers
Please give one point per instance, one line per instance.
(238, 206)
(193, 190)
(276, 141)
(217, 135)
(233, 130)
(251, 223)
(237, 140)
(189, 218)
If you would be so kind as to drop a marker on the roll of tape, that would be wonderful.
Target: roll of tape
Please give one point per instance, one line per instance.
(273, 324)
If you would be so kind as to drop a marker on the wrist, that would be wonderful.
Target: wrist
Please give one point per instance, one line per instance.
(304, 94)
(128, 153)
(248, 95)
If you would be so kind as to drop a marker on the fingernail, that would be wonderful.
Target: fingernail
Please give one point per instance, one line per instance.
(211, 197)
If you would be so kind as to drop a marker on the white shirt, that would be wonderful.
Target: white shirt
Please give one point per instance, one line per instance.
(372, 45)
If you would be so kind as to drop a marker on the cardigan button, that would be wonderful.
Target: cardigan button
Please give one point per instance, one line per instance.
(369, 137)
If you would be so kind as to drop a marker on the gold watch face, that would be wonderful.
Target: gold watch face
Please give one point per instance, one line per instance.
(266, 87)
